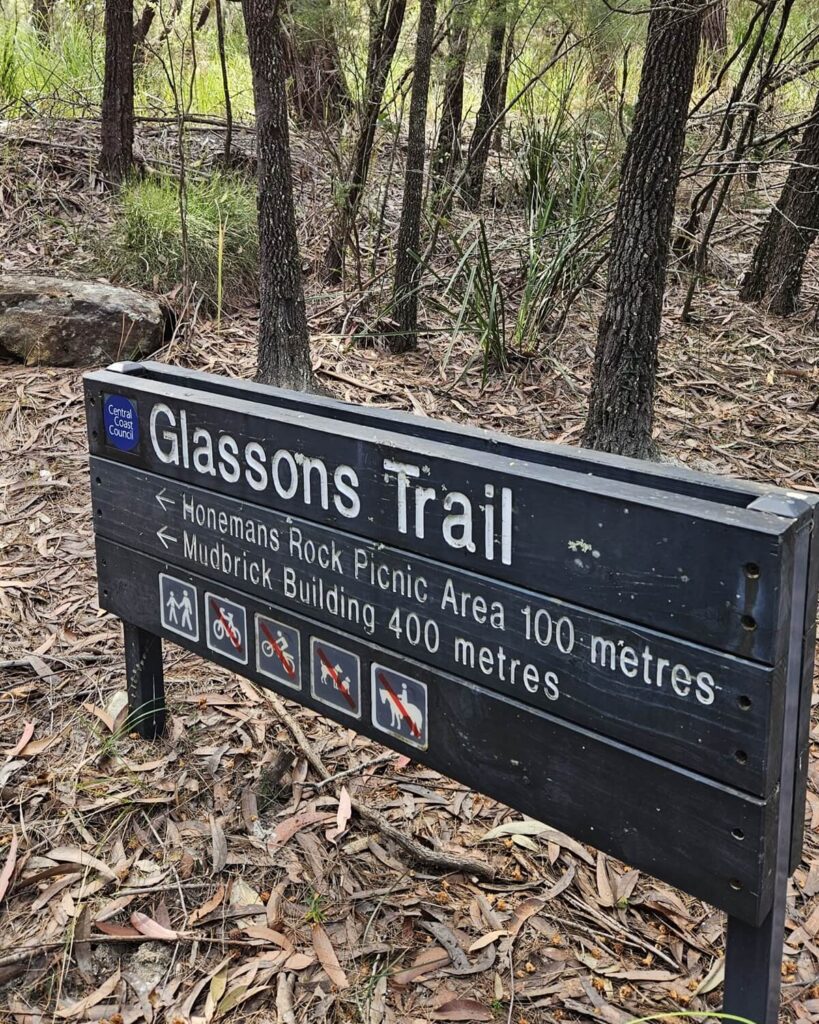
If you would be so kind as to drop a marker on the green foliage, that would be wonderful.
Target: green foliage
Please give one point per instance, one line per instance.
(565, 173)
(482, 303)
(60, 78)
(146, 249)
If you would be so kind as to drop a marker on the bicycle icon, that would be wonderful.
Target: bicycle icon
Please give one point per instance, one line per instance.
(278, 651)
(227, 628)
(224, 626)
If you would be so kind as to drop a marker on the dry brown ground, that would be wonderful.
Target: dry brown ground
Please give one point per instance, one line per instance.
(204, 865)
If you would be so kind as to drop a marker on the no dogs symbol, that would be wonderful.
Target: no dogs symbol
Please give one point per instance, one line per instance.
(336, 677)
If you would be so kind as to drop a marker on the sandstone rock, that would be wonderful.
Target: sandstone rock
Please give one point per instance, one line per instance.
(59, 322)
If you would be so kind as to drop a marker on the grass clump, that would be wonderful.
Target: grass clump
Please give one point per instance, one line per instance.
(213, 247)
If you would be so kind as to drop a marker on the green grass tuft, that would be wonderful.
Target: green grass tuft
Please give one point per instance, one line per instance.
(145, 247)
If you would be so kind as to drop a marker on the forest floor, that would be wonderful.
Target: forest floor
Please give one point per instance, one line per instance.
(210, 875)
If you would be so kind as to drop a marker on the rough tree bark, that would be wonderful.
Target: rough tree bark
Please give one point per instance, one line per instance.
(407, 265)
(448, 146)
(715, 28)
(385, 28)
(284, 349)
(621, 403)
(319, 94)
(487, 112)
(792, 227)
(117, 130)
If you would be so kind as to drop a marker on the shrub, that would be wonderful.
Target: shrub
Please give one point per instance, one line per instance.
(147, 247)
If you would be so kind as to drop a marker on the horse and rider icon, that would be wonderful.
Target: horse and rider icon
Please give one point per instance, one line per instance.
(178, 606)
(399, 705)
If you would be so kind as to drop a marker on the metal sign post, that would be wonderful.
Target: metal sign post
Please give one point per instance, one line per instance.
(623, 650)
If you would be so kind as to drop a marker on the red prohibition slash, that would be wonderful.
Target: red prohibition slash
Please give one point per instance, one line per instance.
(229, 630)
(334, 676)
(277, 651)
(416, 732)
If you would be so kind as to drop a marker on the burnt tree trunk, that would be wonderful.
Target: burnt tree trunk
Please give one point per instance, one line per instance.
(407, 265)
(448, 145)
(385, 29)
(779, 257)
(117, 130)
(487, 112)
(284, 349)
(319, 92)
(621, 403)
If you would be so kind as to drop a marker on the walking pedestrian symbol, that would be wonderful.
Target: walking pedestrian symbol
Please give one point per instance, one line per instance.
(278, 651)
(399, 705)
(178, 608)
(227, 627)
(336, 677)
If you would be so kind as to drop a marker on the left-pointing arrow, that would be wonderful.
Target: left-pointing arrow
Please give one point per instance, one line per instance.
(163, 501)
(164, 536)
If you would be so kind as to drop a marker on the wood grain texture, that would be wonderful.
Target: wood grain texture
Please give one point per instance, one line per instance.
(710, 840)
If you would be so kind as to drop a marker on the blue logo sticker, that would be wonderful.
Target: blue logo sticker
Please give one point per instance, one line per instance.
(121, 419)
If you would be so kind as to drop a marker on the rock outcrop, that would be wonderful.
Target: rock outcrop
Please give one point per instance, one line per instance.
(53, 321)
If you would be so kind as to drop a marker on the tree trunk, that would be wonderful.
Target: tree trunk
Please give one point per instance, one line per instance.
(319, 94)
(487, 112)
(384, 32)
(117, 131)
(509, 56)
(407, 265)
(41, 18)
(621, 403)
(779, 258)
(142, 27)
(284, 349)
(448, 147)
(227, 149)
(715, 28)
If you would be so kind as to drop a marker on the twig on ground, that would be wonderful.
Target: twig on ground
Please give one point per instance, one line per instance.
(419, 853)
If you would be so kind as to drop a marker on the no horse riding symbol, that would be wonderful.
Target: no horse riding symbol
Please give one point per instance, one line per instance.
(621, 649)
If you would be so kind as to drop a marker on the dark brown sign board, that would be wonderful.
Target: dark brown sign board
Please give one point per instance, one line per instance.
(621, 649)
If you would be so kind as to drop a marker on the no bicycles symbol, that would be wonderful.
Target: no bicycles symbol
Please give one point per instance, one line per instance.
(278, 649)
(226, 627)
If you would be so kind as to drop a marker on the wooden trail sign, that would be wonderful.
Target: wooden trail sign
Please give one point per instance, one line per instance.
(623, 650)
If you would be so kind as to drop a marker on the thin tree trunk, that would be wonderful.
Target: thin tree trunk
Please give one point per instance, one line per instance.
(792, 227)
(621, 403)
(284, 349)
(487, 112)
(319, 94)
(448, 148)
(385, 30)
(220, 39)
(117, 130)
(508, 60)
(407, 265)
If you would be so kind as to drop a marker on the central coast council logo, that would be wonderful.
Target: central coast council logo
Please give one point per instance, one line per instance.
(121, 422)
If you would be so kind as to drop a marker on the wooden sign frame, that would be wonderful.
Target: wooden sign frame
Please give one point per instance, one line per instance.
(622, 649)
